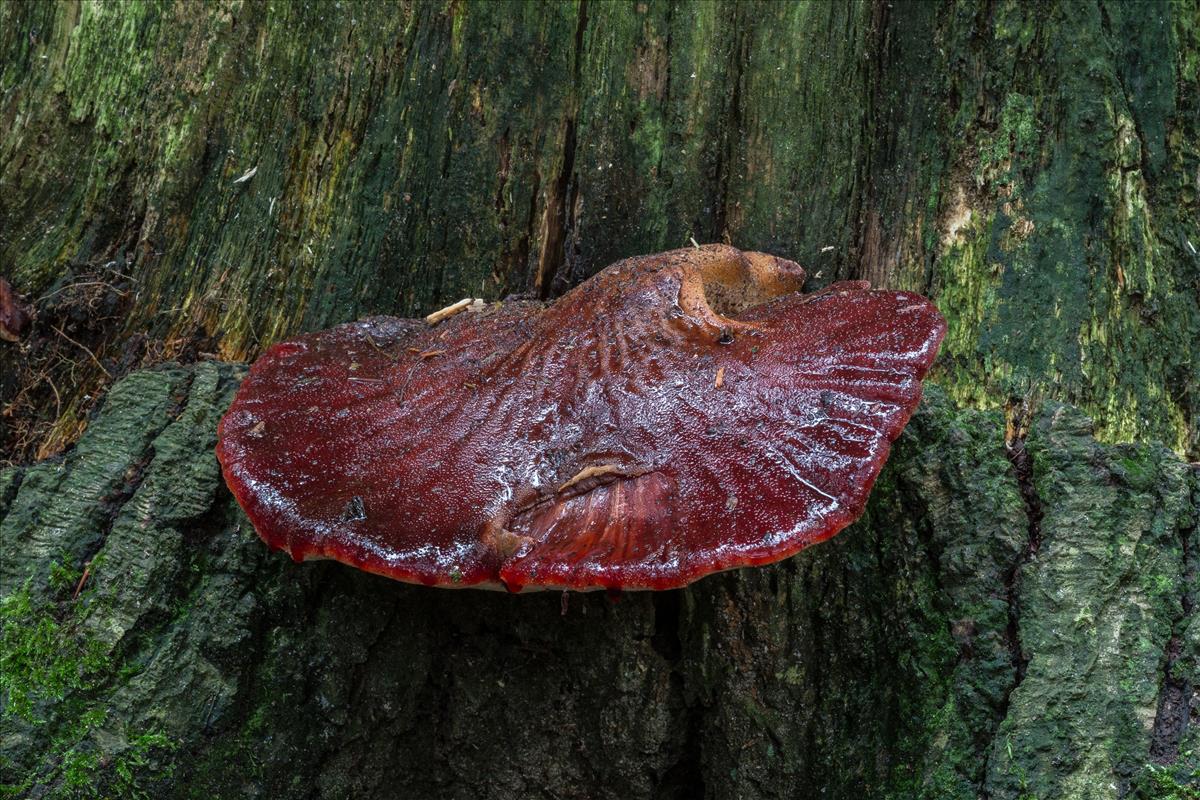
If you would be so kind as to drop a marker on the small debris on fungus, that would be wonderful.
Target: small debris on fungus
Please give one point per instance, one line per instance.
(584, 455)
(590, 472)
(449, 311)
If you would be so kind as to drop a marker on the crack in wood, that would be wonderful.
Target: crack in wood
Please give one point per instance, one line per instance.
(1177, 696)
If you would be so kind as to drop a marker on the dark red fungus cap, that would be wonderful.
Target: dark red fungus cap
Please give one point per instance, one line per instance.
(675, 415)
(13, 316)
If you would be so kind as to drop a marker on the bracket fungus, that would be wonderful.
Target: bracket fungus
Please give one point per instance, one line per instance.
(675, 415)
(13, 316)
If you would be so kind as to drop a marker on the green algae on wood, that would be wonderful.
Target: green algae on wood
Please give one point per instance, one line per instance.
(405, 156)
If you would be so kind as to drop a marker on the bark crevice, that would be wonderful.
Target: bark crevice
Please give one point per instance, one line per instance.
(683, 775)
(1019, 416)
(1177, 694)
(9, 492)
(135, 475)
(561, 194)
(730, 141)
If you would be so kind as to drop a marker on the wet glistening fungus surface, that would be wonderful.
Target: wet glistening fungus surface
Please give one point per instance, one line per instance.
(675, 415)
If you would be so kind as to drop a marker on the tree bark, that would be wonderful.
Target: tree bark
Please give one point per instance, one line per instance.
(258, 169)
(1015, 615)
(994, 626)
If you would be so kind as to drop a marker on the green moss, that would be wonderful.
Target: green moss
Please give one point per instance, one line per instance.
(52, 675)
(61, 578)
(82, 770)
(406, 157)
(1016, 140)
(1160, 782)
(1109, 573)
(42, 657)
(1068, 277)
(968, 279)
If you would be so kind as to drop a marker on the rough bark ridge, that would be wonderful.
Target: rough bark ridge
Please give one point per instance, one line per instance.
(240, 171)
(185, 660)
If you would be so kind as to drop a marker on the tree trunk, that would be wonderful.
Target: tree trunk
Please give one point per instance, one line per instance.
(986, 630)
(1014, 616)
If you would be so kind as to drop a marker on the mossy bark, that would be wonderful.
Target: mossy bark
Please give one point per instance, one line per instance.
(255, 169)
(987, 629)
(1015, 615)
